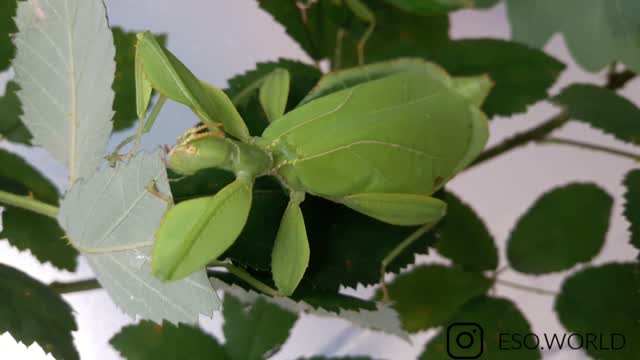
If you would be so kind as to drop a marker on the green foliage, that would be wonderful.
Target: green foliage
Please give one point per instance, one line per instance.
(495, 316)
(597, 32)
(564, 227)
(604, 300)
(603, 109)
(430, 7)
(431, 295)
(11, 128)
(632, 205)
(274, 93)
(7, 27)
(31, 312)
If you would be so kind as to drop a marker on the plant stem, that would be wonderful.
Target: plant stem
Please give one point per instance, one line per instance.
(28, 203)
(75, 286)
(531, 289)
(588, 146)
(244, 275)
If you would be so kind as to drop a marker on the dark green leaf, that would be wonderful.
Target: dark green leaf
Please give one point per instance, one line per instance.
(7, 27)
(243, 90)
(26, 230)
(632, 205)
(498, 319)
(11, 127)
(124, 84)
(604, 300)
(464, 238)
(256, 331)
(31, 312)
(564, 227)
(430, 7)
(603, 109)
(522, 75)
(149, 341)
(485, 4)
(430, 295)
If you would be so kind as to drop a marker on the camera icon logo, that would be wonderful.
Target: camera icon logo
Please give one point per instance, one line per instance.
(465, 340)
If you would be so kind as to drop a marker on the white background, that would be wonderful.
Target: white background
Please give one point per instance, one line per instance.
(218, 39)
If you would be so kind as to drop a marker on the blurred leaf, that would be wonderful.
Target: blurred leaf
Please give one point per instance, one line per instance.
(124, 84)
(429, 296)
(485, 4)
(565, 226)
(604, 300)
(149, 341)
(31, 312)
(464, 238)
(430, 7)
(338, 358)
(603, 109)
(498, 318)
(112, 218)
(26, 230)
(243, 90)
(252, 333)
(11, 127)
(7, 27)
(597, 32)
(522, 75)
(67, 112)
(632, 205)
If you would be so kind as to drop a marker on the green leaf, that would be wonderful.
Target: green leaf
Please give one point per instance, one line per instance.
(26, 230)
(111, 218)
(67, 111)
(522, 75)
(604, 300)
(11, 127)
(597, 32)
(464, 238)
(124, 85)
(150, 341)
(430, 7)
(252, 333)
(632, 205)
(7, 27)
(485, 4)
(603, 109)
(31, 312)
(274, 93)
(564, 227)
(429, 296)
(498, 318)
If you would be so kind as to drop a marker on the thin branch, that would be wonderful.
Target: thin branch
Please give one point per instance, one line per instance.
(589, 146)
(28, 203)
(248, 278)
(75, 286)
(526, 288)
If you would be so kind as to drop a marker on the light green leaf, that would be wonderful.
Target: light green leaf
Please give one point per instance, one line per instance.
(290, 256)
(565, 227)
(255, 331)
(632, 205)
(431, 7)
(11, 127)
(111, 219)
(429, 296)
(7, 27)
(149, 341)
(495, 316)
(64, 66)
(274, 93)
(597, 32)
(604, 300)
(603, 109)
(31, 312)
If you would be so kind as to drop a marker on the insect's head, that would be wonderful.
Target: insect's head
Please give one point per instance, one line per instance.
(196, 150)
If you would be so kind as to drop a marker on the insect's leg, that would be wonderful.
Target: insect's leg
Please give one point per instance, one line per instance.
(363, 12)
(153, 190)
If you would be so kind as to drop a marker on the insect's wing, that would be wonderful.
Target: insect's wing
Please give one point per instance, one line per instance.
(479, 138)
(474, 88)
(172, 79)
(274, 93)
(398, 209)
(143, 87)
(290, 256)
(196, 232)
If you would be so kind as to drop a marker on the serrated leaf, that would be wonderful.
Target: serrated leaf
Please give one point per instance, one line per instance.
(498, 318)
(112, 219)
(252, 333)
(64, 67)
(31, 312)
(597, 32)
(604, 300)
(464, 238)
(26, 230)
(124, 84)
(603, 109)
(429, 296)
(7, 27)
(150, 341)
(632, 205)
(11, 127)
(564, 227)
(383, 318)
(430, 7)
(522, 75)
